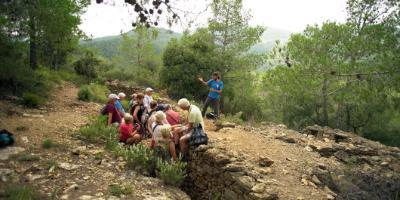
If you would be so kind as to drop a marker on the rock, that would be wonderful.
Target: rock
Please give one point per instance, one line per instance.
(258, 188)
(384, 164)
(234, 168)
(264, 196)
(68, 166)
(341, 136)
(64, 197)
(286, 139)
(308, 148)
(70, 188)
(85, 197)
(246, 183)
(5, 173)
(342, 155)
(33, 177)
(322, 166)
(315, 180)
(32, 115)
(229, 194)
(265, 162)
(10, 151)
(79, 150)
(330, 197)
(326, 151)
(25, 140)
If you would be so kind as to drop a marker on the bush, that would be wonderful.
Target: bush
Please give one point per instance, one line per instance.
(139, 157)
(48, 143)
(117, 190)
(98, 131)
(29, 157)
(93, 92)
(172, 173)
(20, 192)
(32, 100)
(87, 65)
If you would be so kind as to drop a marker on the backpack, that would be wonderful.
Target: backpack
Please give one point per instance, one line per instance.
(6, 138)
(198, 137)
(103, 110)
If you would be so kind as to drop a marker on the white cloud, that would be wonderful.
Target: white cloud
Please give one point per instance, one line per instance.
(293, 15)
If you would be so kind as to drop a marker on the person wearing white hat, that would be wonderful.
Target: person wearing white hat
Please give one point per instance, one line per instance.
(114, 117)
(118, 104)
(195, 120)
(162, 136)
(148, 98)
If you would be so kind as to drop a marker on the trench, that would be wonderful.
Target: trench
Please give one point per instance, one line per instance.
(214, 174)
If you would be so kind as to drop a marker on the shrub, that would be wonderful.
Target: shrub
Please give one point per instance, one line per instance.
(93, 92)
(117, 190)
(87, 65)
(172, 173)
(236, 118)
(19, 192)
(139, 157)
(97, 130)
(48, 143)
(32, 100)
(29, 157)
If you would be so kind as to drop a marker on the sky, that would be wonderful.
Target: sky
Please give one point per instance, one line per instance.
(114, 16)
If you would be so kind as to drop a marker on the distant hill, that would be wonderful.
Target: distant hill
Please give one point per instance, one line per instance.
(269, 37)
(108, 46)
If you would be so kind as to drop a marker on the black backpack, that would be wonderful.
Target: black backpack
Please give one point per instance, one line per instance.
(103, 110)
(6, 138)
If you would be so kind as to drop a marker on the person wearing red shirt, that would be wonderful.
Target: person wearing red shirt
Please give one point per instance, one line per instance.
(173, 117)
(127, 132)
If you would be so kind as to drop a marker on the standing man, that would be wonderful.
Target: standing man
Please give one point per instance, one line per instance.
(148, 98)
(216, 86)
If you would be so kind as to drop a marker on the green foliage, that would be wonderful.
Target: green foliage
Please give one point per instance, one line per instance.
(184, 60)
(93, 92)
(138, 157)
(87, 65)
(28, 157)
(20, 192)
(98, 131)
(235, 118)
(117, 190)
(32, 100)
(172, 173)
(48, 143)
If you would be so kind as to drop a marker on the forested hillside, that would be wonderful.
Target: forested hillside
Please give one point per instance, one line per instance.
(108, 46)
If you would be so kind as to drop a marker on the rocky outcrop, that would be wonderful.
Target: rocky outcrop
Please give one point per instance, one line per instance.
(215, 173)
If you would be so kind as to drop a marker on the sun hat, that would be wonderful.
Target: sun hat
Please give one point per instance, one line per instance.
(121, 95)
(160, 116)
(183, 103)
(149, 90)
(113, 96)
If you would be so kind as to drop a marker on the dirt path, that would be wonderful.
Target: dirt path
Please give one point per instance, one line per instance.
(291, 161)
(72, 169)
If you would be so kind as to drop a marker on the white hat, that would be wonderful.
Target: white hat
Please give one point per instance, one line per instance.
(113, 96)
(183, 103)
(149, 90)
(160, 116)
(121, 95)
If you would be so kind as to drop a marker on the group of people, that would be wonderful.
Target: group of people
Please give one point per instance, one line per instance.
(169, 129)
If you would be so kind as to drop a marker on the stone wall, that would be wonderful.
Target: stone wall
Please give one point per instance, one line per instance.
(214, 173)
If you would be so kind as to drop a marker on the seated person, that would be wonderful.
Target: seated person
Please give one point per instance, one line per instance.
(127, 133)
(113, 115)
(118, 104)
(195, 119)
(132, 102)
(151, 118)
(162, 135)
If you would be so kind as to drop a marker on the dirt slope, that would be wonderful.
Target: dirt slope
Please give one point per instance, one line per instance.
(84, 171)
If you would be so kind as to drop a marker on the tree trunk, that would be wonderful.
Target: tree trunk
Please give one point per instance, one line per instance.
(325, 117)
(32, 36)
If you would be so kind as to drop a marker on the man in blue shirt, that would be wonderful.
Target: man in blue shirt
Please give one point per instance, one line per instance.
(216, 86)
